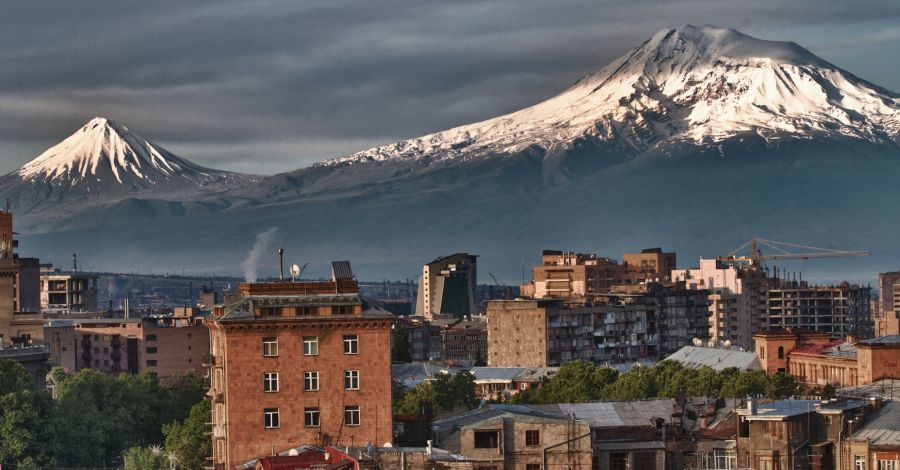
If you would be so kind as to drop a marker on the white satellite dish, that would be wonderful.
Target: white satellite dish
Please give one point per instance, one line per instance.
(295, 272)
(698, 342)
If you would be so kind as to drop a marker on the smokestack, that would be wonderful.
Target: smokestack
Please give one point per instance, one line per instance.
(281, 264)
(74, 262)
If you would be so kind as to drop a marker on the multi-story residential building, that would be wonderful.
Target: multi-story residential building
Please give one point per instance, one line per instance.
(298, 363)
(20, 310)
(464, 341)
(736, 289)
(423, 339)
(607, 328)
(842, 310)
(448, 286)
(517, 438)
(887, 316)
(166, 345)
(564, 274)
(67, 292)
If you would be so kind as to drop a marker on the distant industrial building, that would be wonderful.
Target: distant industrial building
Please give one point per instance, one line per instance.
(67, 292)
(564, 274)
(448, 286)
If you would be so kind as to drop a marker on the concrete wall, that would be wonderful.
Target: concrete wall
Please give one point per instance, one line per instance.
(517, 334)
(244, 399)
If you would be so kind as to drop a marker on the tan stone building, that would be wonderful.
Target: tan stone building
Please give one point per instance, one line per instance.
(298, 363)
(517, 438)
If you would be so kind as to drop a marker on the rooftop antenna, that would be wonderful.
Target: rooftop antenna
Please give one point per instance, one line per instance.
(281, 264)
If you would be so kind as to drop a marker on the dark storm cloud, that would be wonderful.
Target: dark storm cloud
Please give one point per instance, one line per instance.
(272, 86)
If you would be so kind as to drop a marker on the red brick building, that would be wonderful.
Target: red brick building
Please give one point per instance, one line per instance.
(298, 363)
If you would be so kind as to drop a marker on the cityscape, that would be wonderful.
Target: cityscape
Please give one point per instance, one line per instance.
(588, 281)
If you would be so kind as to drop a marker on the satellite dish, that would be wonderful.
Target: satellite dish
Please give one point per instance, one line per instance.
(727, 343)
(293, 452)
(295, 272)
(698, 342)
(388, 444)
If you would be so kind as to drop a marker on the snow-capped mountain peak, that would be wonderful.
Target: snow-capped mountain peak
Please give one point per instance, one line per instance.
(105, 151)
(696, 85)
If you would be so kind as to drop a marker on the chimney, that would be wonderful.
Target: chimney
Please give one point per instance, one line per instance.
(751, 407)
(281, 264)
(74, 262)
(875, 402)
(428, 447)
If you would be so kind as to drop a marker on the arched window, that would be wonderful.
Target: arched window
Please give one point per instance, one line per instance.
(780, 352)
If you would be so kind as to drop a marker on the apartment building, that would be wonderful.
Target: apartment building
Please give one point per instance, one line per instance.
(298, 363)
(887, 317)
(165, 345)
(645, 323)
(564, 274)
(736, 293)
(20, 310)
(448, 285)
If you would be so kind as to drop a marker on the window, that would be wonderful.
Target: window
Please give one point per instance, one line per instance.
(151, 362)
(762, 352)
(151, 350)
(532, 438)
(270, 346)
(889, 465)
(311, 417)
(859, 462)
(306, 311)
(270, 418)
(311, 381)
(342, 310)
(270, 312)
(487, 439)
(151, 337)
(351, 344)
(351, 379)
(532, 466)
(351, 415)
(270, 381)
(310, 345)
(780, 352)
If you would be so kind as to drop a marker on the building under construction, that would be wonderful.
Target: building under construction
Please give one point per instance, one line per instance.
(842, 310)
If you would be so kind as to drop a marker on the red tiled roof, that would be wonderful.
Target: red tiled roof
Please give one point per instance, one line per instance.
(816, 350)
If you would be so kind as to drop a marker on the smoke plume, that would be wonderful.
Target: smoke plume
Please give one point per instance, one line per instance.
(260, 246)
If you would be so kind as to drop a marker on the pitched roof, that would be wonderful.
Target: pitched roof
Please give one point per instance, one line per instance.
(617, 413)
(883, 428)
(695, 357)
(890, 340)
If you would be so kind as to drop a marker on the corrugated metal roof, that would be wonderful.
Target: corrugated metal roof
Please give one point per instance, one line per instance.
(884, 427)
(781, 409)
(496, 373)
(695, 357)
(618, 413)
(890, 339)
(887, 389)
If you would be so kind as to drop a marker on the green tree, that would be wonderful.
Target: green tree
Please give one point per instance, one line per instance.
(575, 382)
(181, 392)
(828, 392)
(27, 438)
(637, 384)
(421, 399)
(742, 384)
(146, 458)
(400, 345)
(186, 439)
(781, 385)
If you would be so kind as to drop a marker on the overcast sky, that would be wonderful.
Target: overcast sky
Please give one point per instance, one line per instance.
(272, 86)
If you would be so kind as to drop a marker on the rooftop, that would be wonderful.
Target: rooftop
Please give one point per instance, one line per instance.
(695, 357)
(891, 340)
(883, 427)
(617, 413)
(887, 389)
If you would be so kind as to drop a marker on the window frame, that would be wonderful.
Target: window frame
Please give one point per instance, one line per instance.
(351, 378)
(271, 418)
(270, 378)
(310, 415)
(309, 377)
(312, 342)
(349, 411)
(267, 349)
(532, 438)
(351, 344)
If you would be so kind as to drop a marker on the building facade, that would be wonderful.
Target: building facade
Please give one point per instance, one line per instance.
(69, 292)
(448, 286)
(298, 363)
(842, 310)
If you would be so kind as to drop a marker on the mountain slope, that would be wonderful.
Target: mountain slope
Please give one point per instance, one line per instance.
(697, 140)
(699, 85)
(104, 161)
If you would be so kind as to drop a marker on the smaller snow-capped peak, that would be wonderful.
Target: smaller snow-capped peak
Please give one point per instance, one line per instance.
(104, 150)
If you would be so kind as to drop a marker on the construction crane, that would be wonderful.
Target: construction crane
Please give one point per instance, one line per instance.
(503, 289)
(783, 251)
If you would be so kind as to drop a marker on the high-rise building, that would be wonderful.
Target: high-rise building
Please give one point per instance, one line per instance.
(298, 363)
(841, 310)
(448, 286)
(67, 292)
(736, 294)
(887, 316)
